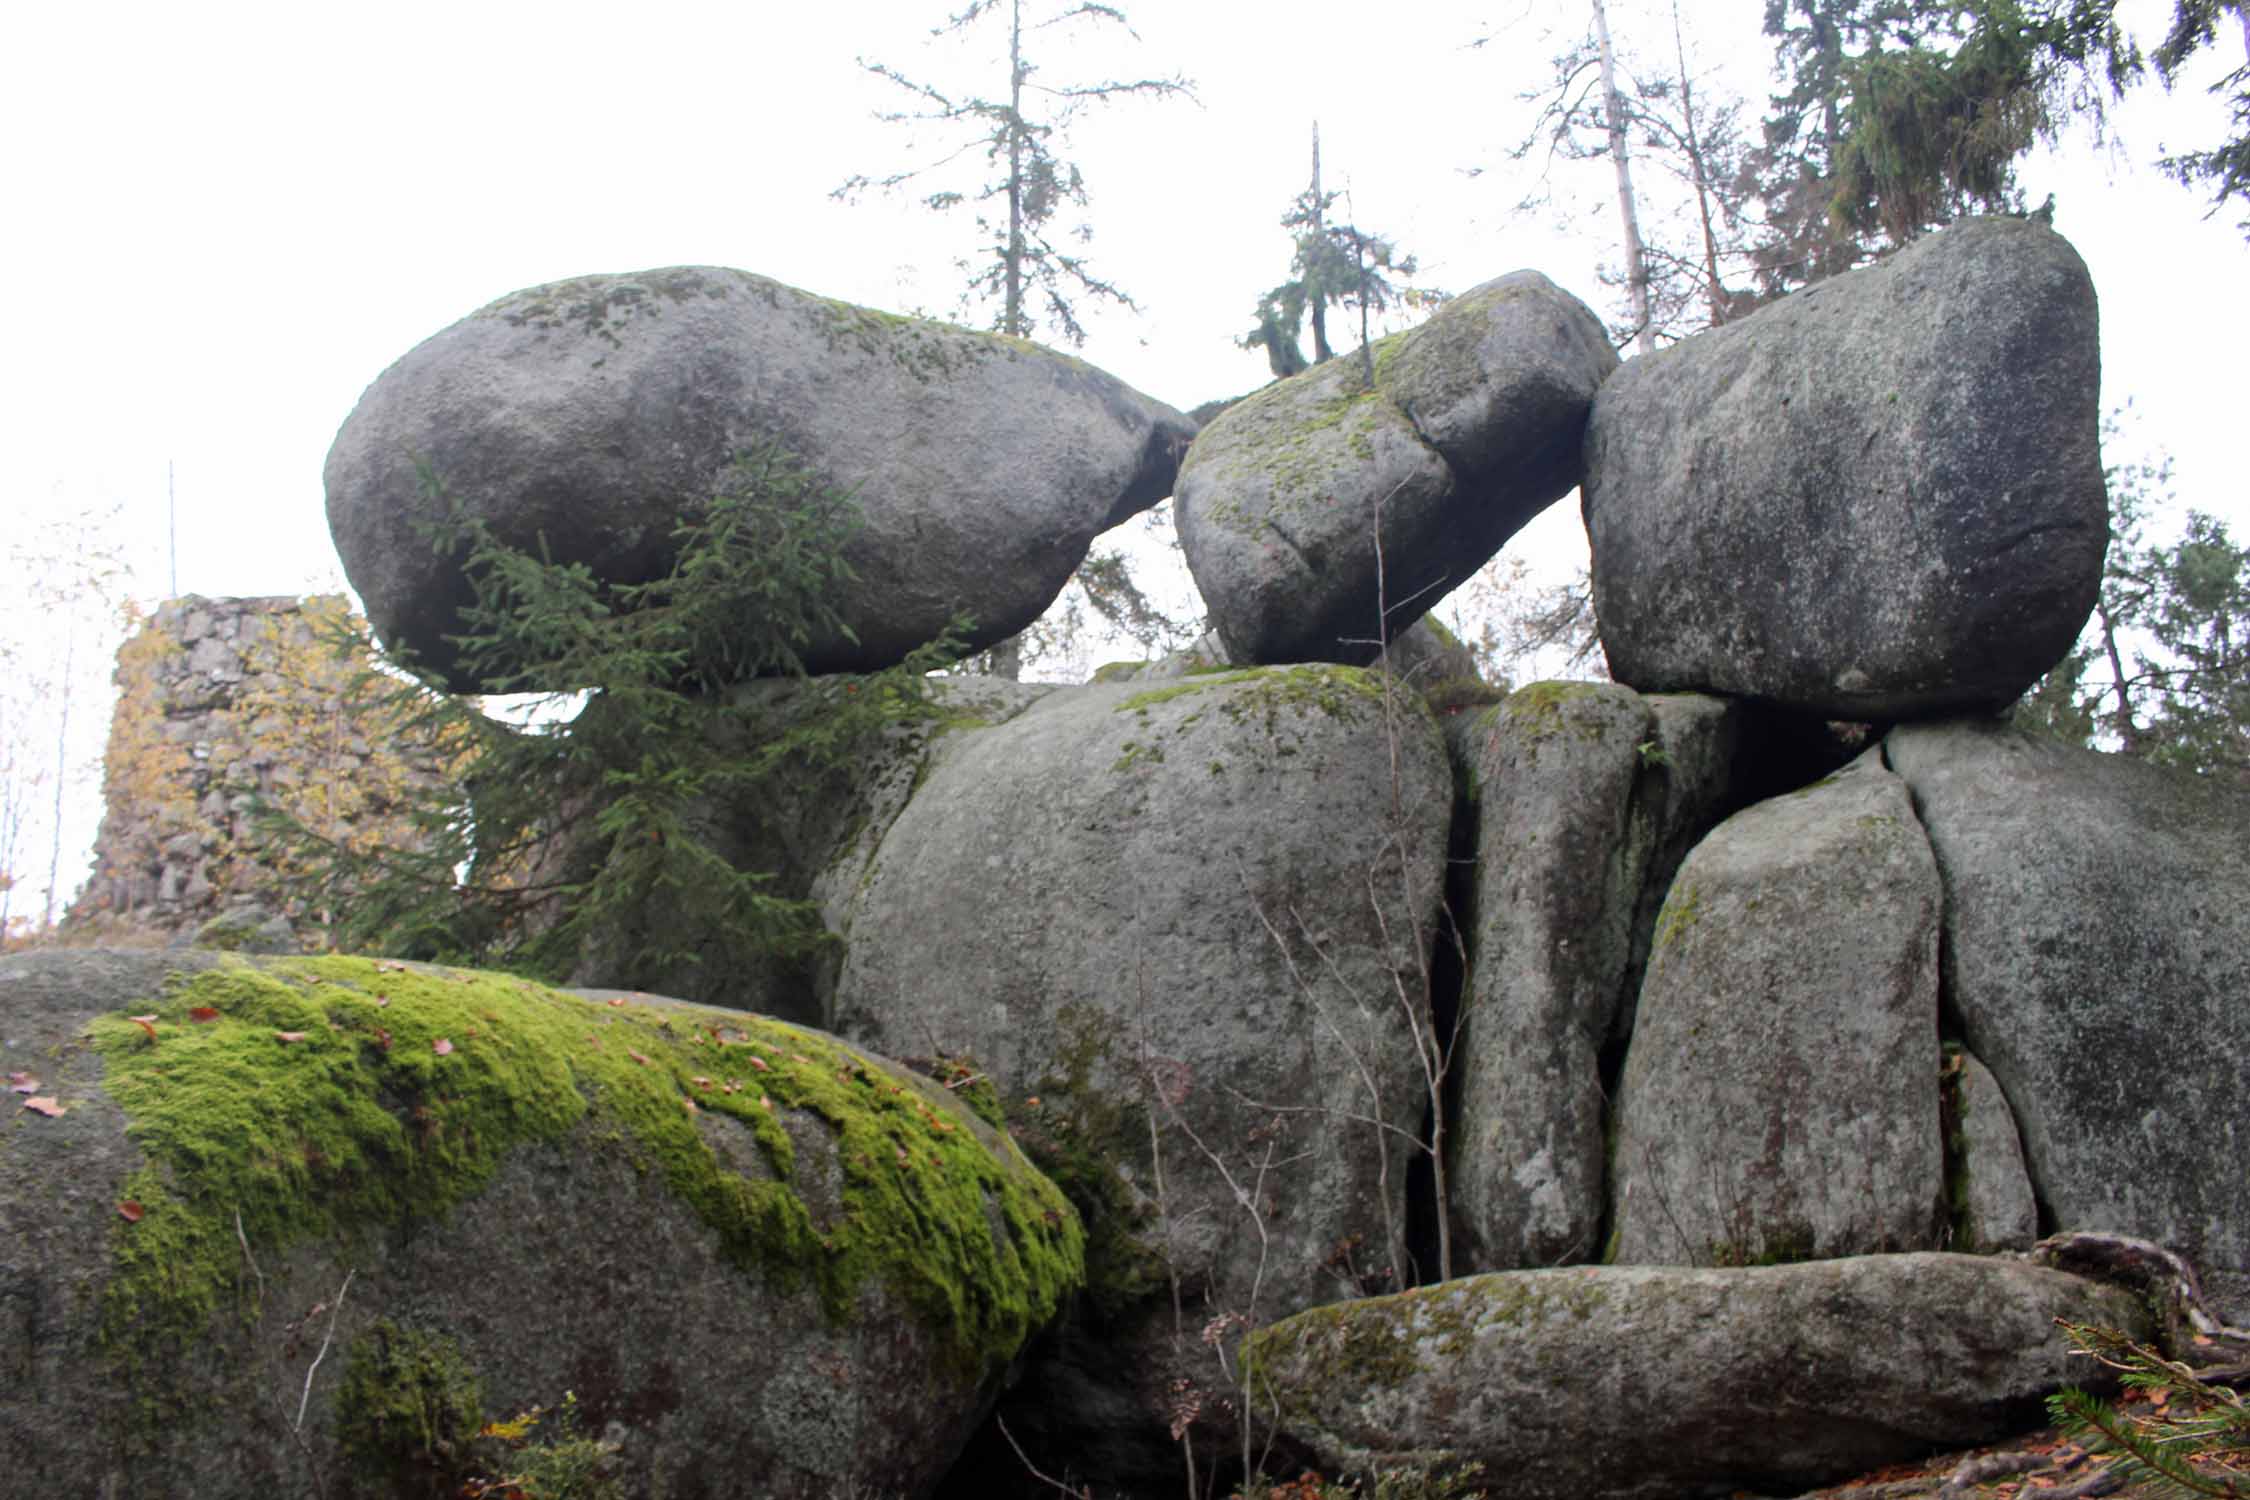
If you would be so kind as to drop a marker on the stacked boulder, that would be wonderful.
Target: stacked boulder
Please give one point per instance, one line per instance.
(591, 417)
(1880, 498)
(1324, 514)
(1746, 994)
(1687, 1036)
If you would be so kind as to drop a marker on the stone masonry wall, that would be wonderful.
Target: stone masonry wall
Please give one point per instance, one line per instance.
(222, 702)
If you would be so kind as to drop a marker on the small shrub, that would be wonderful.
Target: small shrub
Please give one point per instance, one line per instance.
(569, 1465)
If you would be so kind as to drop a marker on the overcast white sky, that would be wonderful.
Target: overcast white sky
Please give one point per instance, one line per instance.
(226, 219)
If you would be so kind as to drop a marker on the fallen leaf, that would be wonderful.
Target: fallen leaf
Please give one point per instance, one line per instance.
(700, 1081)
(290, 1036)
(617, 1002)
(146, 1023)
(734, 1086)
(129, 1211)
(635, 1056)
(768, 1103)
(382, 1039)
(45, 1105)
(382, 999)
(470, 1035)
(690, 1103)
(204, 1013)
(441, 1046)
(23, 1083)
(389, 966)
(759, 1063)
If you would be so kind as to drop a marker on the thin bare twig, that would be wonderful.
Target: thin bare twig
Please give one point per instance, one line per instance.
(334, 1311)
(244, 1241)
(1033, 1469)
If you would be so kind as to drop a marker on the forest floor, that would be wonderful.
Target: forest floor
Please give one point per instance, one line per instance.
(2040, 1465)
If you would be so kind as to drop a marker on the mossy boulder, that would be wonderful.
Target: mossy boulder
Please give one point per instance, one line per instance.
(1655, 1383)
(1184, 928)
(758, 1261)
(587, 418)
(1469, 428)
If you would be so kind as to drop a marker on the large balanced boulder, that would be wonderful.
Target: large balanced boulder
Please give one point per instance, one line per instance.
(1470, 428)
(1185, 930)
(1879, 498)
(287, 1226)
(1585, 794)
(2097, 940)
(1780, 1094)
(591, 417)
(1652, 1383)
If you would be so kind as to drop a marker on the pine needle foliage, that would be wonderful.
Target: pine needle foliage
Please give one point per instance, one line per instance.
(607, 821)
(2156, 1452)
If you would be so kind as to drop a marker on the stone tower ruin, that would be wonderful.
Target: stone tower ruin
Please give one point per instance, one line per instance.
(223, 704)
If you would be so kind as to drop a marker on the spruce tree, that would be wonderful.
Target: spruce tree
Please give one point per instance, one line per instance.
(602, 833)
(1026, 274)
(1334, 264)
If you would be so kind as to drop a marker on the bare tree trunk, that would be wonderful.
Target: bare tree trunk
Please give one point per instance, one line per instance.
(1321, 352)
(2121, 718)
(1012, 320)
(1714, 293)
(1366, 344)
(62, 771)
(1636, 258)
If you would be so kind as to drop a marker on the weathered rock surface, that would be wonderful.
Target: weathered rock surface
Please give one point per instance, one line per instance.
(1991, 1200)
(593, 415)
(1879, 498)
(1780, 1094)
(693, 1219)
(1585, 791)
(1086, 900)
(2097, 939)
(1470, 429)
(1648, 1383)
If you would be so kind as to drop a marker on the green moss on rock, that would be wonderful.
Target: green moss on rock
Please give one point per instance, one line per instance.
(407, 1409)
(1381, 1343)
(1682, 909)
(333, 1098)
(1542, 709)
